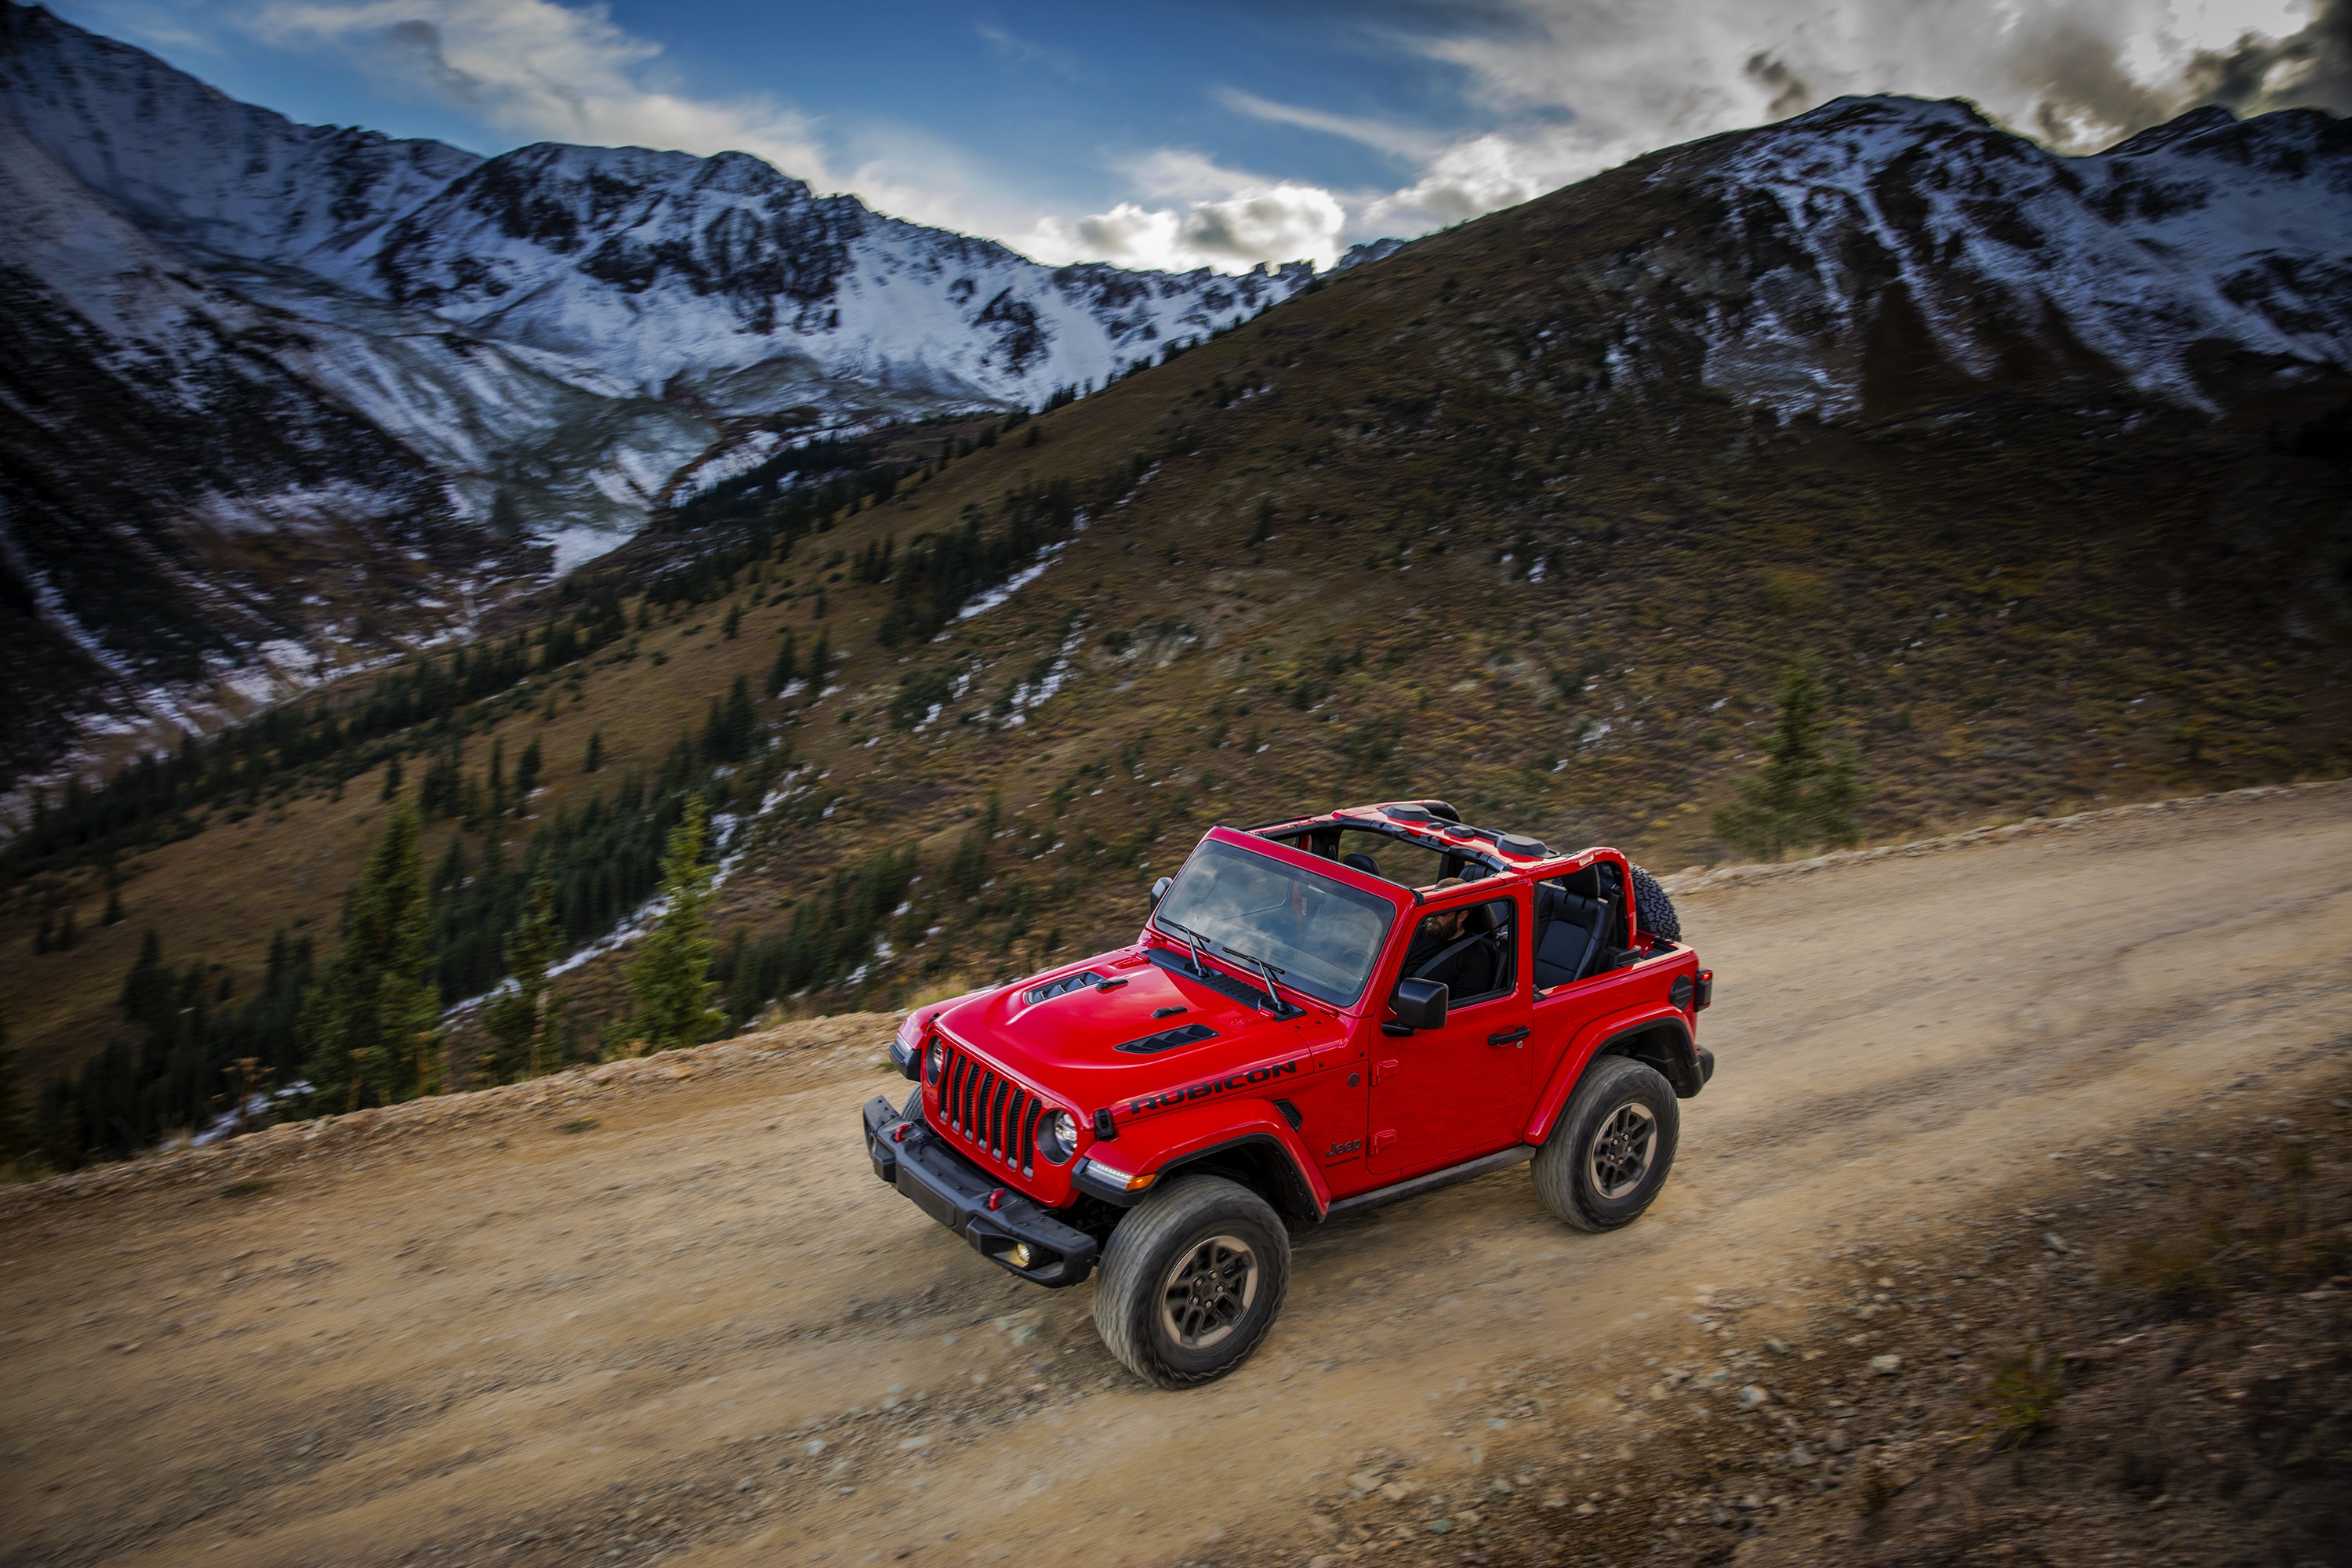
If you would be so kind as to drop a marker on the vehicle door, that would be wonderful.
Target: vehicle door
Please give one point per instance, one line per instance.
(1445, 1095)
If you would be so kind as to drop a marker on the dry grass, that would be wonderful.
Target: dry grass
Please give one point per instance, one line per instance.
(2020, 1399)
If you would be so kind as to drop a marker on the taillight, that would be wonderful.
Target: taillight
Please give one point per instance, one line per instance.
(1706, 989)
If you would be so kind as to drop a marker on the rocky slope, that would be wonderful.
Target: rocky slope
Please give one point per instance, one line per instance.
(421, 355)
(1911, 242)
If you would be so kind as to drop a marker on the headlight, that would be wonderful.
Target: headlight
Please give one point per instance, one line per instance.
(1057, 1136)
(934, 1059)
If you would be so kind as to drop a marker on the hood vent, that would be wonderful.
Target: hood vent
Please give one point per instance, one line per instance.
(1062, 987)
(1168, 1040)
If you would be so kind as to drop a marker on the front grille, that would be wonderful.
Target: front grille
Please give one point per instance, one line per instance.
(987, 1109)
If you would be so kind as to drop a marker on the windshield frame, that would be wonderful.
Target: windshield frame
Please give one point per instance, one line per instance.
(1386, 896)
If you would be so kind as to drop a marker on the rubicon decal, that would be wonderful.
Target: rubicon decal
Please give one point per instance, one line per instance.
(1231, 1084)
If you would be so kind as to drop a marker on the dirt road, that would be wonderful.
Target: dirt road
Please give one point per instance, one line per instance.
(699, 1329)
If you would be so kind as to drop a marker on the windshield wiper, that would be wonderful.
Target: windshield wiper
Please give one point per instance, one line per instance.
(1266, 971)
(1194, 939)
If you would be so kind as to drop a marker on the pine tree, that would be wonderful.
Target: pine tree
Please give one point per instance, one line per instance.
(498, 776)
(820, 658)
(780, 674)
(1802, 797)
(732, 730)
(520, 1020)
(370, 1029)
(113, 915)
(146, 993)
(526, 773)
(595, 758)
(392, 779)
(734, 624)
(670, 980)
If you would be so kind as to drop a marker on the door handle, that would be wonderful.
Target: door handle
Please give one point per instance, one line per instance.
(1506, 1036)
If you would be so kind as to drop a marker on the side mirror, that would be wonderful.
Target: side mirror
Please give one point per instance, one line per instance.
(1420, 1004)
(1160, 890)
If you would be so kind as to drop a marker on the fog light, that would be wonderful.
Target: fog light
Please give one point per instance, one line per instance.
(1018, 1255)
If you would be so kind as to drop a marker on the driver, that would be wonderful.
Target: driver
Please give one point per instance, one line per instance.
(1444, 950)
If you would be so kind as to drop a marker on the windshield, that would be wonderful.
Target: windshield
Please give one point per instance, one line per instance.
(1321, 938)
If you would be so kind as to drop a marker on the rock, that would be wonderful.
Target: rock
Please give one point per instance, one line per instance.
(1801, 1456)
(1397, 1492)
(1886, 1365)
(1751, 1396)
(1777, 1347)
(1837, 1442)
(1364, 1481)
(1440, 1526)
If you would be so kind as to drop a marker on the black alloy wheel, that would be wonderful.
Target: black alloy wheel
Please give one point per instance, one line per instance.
(1609, 1151)
(1191, 1280)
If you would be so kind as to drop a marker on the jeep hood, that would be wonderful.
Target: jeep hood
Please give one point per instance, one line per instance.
(1068, 1044)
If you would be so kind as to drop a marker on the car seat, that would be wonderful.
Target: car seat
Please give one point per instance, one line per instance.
(1361, 862)
(1570, 923)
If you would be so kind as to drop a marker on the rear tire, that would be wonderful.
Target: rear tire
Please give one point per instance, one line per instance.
(1191, 1280)
(1609, 1153)
(1657, 910)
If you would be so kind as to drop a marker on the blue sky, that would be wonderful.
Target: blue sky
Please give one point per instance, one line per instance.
(1209, 131)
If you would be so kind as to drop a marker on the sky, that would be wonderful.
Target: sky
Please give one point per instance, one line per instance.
(1223, 134)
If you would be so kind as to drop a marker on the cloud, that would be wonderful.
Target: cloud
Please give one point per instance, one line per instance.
(1008, 46)
(1204, 215)
(1579, 85)
(1374, 134)
(540, 71)
(2312, 68)
(1277, 223)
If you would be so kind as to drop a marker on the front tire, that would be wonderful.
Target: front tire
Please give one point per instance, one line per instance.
(1191, 1280)
(1609, 1153)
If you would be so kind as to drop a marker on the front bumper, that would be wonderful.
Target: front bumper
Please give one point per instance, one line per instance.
(955, 1192)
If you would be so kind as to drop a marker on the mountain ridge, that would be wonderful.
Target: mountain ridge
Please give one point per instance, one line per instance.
(540, 341)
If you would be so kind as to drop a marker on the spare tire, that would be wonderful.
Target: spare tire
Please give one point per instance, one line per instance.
(1657, 910)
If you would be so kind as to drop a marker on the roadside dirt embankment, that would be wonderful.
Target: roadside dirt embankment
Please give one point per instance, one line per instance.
(662, 1310)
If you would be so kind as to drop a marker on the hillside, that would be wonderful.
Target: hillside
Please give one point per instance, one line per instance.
(1977, 1102)
(277, 400)
(1530, 514)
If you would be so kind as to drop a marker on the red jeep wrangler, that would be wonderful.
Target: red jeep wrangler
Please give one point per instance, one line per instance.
(1320, 1016)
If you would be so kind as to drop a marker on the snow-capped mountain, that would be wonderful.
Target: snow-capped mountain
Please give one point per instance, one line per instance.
(716, 282)
(274, 397)
(2187, 265)
(224, 327)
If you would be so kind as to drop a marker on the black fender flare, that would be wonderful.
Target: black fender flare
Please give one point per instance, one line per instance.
(1666, 1044)
(1262, 1162)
